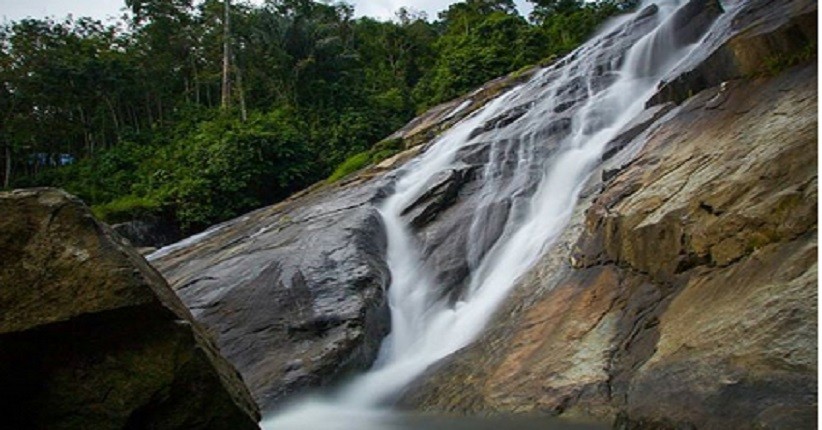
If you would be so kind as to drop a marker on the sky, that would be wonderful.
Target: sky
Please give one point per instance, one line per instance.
(100, 9)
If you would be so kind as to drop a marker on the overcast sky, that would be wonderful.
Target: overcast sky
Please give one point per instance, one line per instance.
(17, 9)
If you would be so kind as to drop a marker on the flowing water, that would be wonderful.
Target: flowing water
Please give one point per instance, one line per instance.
(539, 170)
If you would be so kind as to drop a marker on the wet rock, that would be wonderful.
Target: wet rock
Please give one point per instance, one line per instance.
(429, 125)
(454, 246)
(299, 282)
(503, 120)
(438, 196)
(685, 296)
(149, 233)
(766, 40)
(471, 212)
(690, 22)
(633, 129)
(475, 154)
(92, 337)
(304, 281)
(555, 130)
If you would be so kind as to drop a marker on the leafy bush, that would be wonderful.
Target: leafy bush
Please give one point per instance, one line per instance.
(350, 165)
(776, 64)
(99, 179)
(386, 149)
(144, 120)
(379, 152)
(126, 208)
(225, 167)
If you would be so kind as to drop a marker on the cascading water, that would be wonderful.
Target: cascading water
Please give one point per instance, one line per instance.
(537, 164)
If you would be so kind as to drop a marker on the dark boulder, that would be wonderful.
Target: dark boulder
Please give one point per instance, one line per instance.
(92, 337)
(148, 233)
(293, 293)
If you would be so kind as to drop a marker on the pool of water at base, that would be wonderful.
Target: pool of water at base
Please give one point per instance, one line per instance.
(514, 422)
(375, 419)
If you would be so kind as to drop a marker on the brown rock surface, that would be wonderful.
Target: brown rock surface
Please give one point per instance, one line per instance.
(91, 337)
(689, 300)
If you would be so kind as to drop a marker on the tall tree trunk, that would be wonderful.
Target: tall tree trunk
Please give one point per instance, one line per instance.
(196, 81)
(148, 112)
(135, 120)
(186, 89)
(7, 176)
(225, 99)
(114, 118)
(240, 92)
(89, 145)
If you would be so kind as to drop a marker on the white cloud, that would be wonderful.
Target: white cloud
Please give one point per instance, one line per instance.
(19, 9)
(385, 9)
(382, 9)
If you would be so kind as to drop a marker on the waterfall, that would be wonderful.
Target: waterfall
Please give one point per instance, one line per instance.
(537, 163)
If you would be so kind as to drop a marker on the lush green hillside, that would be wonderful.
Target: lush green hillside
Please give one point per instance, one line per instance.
(154, 116)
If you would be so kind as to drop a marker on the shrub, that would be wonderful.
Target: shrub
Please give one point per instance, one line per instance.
(126, 208)
(350, 165)
(381, 151)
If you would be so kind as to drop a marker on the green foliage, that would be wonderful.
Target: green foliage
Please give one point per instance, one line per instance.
(224, 167)
(776, 64)
(386, 149)
(97, 180)
(475, 48)
(137, 103)
(350, 165)
(381, 151)
(126, 208)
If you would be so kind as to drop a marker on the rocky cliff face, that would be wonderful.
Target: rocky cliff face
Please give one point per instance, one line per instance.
(685, 295)
(92, 337)
(690, 296)
(683, 292)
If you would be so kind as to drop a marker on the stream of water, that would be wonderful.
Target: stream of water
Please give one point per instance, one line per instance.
(543, 191)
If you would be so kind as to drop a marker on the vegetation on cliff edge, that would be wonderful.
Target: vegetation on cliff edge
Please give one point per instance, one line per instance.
(161, 113)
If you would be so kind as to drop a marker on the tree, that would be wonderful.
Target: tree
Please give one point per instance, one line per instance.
(475, 47)
(544, 9)
(197, 113)
(225, 99)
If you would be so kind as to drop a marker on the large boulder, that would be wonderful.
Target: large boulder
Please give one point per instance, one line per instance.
(92, 337)
(293, 293)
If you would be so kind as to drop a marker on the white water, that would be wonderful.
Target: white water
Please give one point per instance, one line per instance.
(427, 328)
(185, 243)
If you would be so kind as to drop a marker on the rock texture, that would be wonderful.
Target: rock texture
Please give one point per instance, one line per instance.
(92, 337)
(685, 295)
(292, 293)
(704, 228)
(462, 213)
(148, 234)
(295, 293)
